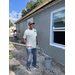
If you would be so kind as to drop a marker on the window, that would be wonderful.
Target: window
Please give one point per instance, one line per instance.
(57, 35)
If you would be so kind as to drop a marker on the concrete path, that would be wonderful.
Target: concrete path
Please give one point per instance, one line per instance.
(18, 63)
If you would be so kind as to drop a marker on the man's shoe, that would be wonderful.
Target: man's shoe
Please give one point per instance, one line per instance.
(28, 68)
(35, 66)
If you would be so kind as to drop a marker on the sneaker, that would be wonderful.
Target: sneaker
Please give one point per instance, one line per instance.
(28, 68)
(35, 66)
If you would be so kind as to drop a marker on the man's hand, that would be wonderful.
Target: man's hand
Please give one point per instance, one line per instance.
(27, 44)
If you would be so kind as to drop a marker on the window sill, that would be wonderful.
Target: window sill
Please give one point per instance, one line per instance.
(58, 45)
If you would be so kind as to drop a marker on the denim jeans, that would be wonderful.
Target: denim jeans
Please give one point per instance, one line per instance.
(34, 52)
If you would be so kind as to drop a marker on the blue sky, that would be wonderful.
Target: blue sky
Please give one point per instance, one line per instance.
(15, 7)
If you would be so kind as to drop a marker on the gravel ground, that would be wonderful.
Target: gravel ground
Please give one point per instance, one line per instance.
(17, 65)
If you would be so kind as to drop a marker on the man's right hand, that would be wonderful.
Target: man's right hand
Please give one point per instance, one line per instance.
(27, 44)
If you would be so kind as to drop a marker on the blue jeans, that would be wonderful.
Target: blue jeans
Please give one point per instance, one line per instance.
(34, 52)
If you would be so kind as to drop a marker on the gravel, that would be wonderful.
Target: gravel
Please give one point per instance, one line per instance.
(20, 58)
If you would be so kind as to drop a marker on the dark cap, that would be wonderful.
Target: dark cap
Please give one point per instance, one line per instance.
(30, 23)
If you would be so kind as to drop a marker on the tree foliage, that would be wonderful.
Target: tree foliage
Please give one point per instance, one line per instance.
(30, 6)
(10, 24)
(24, 12)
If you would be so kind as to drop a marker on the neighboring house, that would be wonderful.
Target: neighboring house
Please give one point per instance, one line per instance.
(11, 30)
(49, 18)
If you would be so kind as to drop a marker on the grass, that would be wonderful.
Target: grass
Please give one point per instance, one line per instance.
(16, 59)
(12, 47)
(11, 56)
(39, 52)
(18, 65)
(9, 43)
(15, 65)
(22, 72)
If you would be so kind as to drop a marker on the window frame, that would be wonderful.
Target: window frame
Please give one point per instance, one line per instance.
(51, 30)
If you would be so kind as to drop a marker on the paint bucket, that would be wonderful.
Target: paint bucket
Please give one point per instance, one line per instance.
(48, 62)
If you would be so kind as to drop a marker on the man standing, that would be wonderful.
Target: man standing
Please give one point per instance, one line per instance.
(30, 38)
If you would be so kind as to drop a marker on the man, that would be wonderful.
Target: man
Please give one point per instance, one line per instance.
(30, 38)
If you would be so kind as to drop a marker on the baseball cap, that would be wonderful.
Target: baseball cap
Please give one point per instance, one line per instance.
(30, 23)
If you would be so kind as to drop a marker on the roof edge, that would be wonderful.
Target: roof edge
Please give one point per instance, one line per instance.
(35, 9)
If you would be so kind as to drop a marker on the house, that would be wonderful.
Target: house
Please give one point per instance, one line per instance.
(49, 18)
(11, 29)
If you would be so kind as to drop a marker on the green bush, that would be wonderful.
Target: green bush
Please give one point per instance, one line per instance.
(11, 56)
(9, 43)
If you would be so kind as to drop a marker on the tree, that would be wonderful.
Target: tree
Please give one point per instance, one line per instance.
(10, 24)
(30, 6)
(24, 12)
(40, 2)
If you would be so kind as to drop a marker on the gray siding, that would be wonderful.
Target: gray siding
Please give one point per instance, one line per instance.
(42, 25)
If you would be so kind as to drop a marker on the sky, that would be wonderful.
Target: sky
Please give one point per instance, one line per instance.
(15, 8)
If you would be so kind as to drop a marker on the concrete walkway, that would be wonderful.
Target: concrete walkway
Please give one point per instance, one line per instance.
(18, 63)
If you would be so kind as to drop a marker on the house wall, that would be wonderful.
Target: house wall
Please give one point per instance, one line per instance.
(42, 25)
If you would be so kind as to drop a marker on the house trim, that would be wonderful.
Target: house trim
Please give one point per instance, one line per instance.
(51, 30)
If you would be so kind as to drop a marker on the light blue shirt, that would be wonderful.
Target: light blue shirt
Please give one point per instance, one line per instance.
(30, 35)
